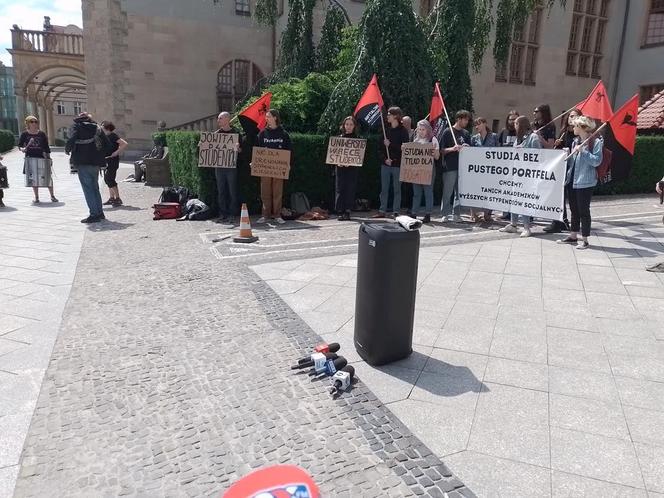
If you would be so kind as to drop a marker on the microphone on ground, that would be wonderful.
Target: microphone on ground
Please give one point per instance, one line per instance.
(315, 361)
(331, 367)
(342, 380)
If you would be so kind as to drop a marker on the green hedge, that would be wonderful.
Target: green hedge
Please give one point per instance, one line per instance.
(312, 176)
(647, 169)
(309, 173)
(6, 140)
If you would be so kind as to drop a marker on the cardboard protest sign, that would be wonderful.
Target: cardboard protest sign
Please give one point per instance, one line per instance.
(218, 150)
(417, 163)
(273, 163)
(521, 181)
(346, 151)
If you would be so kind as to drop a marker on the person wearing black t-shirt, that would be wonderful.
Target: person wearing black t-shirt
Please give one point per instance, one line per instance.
(273, 136)
(450, 207)
(507, 135)
(34, 143)
(389, 153)
(118, 145)
(346, 176)
(543, 123)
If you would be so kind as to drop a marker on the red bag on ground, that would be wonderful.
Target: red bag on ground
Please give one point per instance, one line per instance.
(278, 481)
(167, 210)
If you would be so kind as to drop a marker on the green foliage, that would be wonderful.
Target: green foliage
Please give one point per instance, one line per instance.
(296, 51)
(300, 101)
(6, 140)
(330, 40)
(392, 45)
(265, 12)
(647, 169)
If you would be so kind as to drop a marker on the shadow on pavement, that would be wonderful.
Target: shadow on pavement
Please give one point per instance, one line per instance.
(108, 226)
(49, 204)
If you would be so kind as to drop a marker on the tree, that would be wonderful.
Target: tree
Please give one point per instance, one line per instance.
(330, 40)
(391, 44)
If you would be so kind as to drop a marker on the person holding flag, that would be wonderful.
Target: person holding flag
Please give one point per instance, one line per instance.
(454, 139)
(390, 157)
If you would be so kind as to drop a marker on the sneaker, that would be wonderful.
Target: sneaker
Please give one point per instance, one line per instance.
(658, 268)
(261, 220)
(526, 233)
(109, 202)
(93, 219)
(508, 229)
(567, 240)
(457, 218)
(379, 214)
(582, 244)
(394, 215)
(36, 201)
(426, 219)
(117, 202)
(54, 199)
(446, 219)
(280, 220)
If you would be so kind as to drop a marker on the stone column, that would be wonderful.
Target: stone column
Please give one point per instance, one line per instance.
(51, 126)
(21, 109)
(43, 125)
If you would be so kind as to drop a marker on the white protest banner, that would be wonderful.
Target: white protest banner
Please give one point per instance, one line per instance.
(346, 151)
(417, 163)
(522, 181)
(218, 150)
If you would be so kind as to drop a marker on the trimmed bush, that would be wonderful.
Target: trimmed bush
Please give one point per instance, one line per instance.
(6, 140)
(647, 169)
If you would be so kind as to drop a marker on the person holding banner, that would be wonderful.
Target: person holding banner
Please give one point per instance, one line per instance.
(227, 177)
(565, 141)
(483, 138)
(346, 176)
(507, 135)
(453, 140)
(272, 189)
(424, 135)
(527, 139)
(581, 179)
(544, 126)
(389, 154)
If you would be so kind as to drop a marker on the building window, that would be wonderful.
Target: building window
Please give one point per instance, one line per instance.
(521, 65)
(242, 8)
(61, 108)
(648, 92)
(655, 27)
(586, 38)
(78, 108)
(234, 81)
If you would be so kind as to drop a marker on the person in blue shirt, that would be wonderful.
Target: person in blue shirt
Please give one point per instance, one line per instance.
(581, 180)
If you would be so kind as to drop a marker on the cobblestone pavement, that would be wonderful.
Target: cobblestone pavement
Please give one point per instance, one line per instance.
(170, 377)
(538, 369)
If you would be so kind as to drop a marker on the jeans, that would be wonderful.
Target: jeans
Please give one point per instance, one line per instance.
(527, 220)
(388, 173)
(450, 204)
(427, 190)
(345, 184)
(227, 190)
(579, 206)
(89, 178)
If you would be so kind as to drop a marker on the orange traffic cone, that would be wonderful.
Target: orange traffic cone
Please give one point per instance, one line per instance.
(246, 237)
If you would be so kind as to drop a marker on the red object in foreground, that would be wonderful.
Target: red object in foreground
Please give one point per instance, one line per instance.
(327, 348)
(597, 105)
(278, 481)
(167, 210)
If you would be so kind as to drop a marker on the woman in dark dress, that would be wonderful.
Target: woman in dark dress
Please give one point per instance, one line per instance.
(113, 163)
(34, 143)
(346, 176)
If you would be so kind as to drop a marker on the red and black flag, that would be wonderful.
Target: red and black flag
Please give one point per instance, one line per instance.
(437, 111)
(597, 105)
(252, 118)
(370, 107)
(620, 138)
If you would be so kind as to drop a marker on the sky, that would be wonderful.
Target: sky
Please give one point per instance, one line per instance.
(29, 14)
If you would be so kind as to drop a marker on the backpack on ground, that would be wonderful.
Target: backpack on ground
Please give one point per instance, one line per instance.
(299, 203)
(175, 194)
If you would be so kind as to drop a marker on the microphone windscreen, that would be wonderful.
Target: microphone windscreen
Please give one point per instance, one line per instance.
(334, 347)
(340, 363)
(349, 370)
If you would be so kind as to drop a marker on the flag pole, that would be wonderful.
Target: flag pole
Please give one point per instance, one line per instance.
(586, 140)
(382, 122)
(447, 116)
